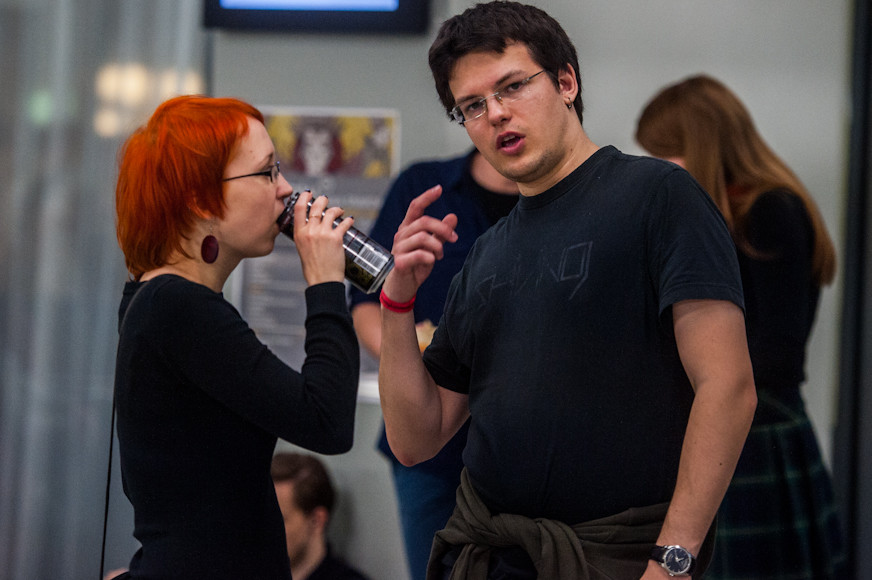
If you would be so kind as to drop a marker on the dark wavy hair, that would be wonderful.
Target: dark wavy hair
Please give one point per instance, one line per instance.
(491, 27)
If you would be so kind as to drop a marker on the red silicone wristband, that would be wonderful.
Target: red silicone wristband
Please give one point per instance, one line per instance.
(394, 306)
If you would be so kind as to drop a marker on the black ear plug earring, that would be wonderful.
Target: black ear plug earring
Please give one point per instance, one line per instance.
(209, 248)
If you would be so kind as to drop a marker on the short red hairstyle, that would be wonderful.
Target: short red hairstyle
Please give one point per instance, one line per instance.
(170, 173)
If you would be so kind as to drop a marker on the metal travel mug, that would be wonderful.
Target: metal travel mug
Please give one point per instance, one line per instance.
(367, 263)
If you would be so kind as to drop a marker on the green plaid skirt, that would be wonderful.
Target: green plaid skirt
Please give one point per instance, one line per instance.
(779, 520)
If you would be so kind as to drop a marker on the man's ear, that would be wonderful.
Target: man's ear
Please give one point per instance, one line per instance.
(567, 82)
(320, 517)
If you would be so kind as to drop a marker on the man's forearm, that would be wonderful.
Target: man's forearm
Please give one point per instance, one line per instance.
(419, 416)
(416, 419)
(710, 336)
(715, 435)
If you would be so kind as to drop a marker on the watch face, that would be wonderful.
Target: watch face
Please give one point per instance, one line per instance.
(677, 560)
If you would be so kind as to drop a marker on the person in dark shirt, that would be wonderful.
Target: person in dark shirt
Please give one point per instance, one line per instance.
(778, 518)
(200, 400)
(306, 497)
(593, 337)
(472, 189)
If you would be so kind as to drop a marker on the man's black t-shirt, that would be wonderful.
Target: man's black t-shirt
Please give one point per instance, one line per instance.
(559, 328)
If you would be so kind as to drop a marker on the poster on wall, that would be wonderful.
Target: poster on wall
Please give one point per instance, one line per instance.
(349, 155)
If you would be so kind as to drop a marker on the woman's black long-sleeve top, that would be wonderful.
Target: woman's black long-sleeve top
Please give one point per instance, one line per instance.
(200, 403)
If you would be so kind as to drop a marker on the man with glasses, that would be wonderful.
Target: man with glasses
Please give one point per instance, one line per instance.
(595, 337)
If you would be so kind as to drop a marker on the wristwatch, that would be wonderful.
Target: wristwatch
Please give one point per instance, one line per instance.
(675, 560)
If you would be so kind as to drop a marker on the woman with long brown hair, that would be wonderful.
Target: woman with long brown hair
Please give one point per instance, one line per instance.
(778, 519)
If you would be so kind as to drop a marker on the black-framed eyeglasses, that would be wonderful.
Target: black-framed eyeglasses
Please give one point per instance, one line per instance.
(514, 91)
(272, 173)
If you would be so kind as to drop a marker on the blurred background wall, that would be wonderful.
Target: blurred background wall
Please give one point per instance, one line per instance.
(77, 75)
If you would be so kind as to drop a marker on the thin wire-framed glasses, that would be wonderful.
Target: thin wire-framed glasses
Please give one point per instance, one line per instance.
(272, 173)
(514, 91)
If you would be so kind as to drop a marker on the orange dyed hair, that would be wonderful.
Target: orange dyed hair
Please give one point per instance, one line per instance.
(170, 175)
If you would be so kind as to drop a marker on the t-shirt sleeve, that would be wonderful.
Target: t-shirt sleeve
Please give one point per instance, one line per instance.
(691, 252)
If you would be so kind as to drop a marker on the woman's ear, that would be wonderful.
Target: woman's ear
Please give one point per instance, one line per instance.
(198, 210)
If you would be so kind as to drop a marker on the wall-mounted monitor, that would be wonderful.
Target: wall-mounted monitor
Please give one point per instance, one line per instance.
(319, 16)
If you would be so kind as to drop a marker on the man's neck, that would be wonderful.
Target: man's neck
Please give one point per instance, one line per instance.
(310, 562)
(578, 152)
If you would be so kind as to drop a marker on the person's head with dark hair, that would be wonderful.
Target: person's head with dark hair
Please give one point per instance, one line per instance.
(306, 497)
(311, 482)
(508, 73)
(491, 27)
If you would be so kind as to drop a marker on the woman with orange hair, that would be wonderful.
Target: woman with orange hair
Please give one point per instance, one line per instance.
(200, 400)
(778, 518)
